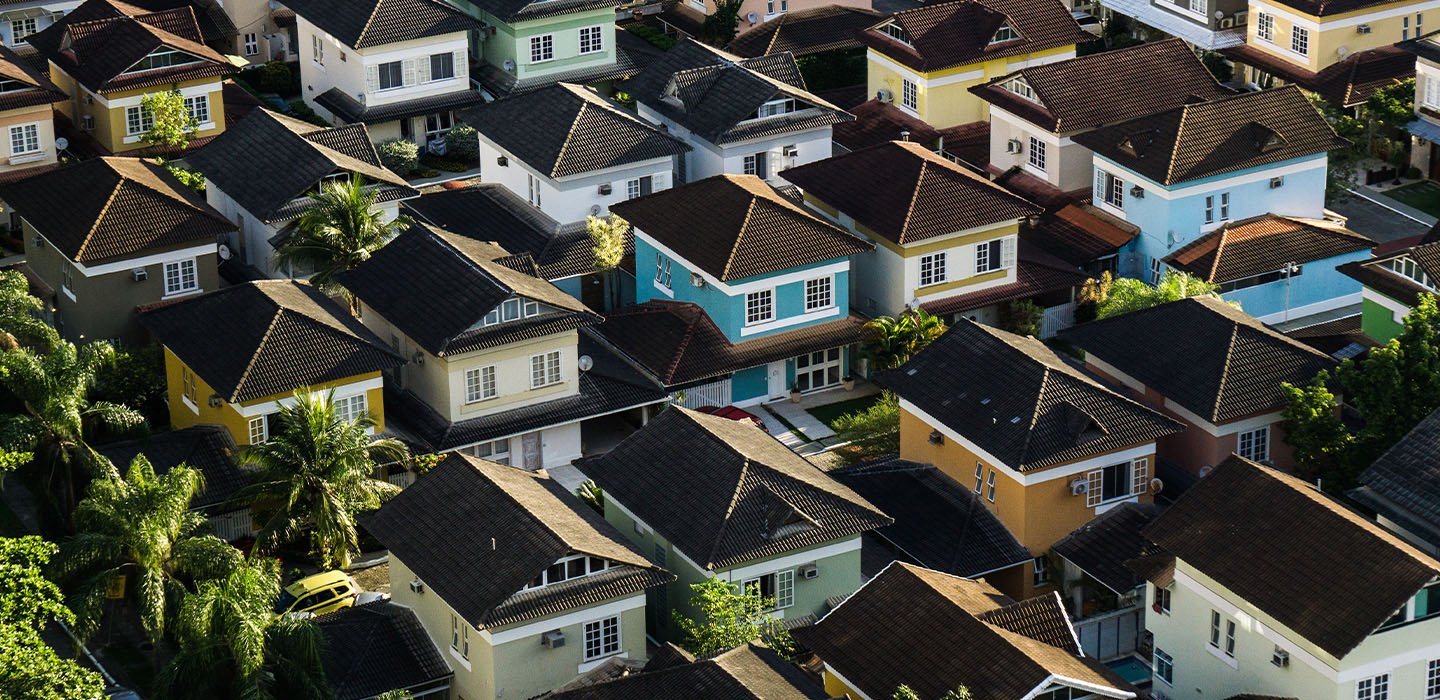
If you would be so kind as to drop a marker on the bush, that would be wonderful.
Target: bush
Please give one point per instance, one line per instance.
(302, 111)
(399, 155)
(463, 143)
(444, 163)
(277, 77)
(137, 379)
(657, 38)
(1022, 317)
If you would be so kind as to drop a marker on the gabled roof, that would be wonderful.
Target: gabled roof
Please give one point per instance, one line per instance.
(376, 647)
(1247, 130)
(1101, 547)
(806, 32)
(243, 162)
(748, 672)
(1263, 244)
(1136, 82)
(1079, 233)
(1375, 273)
(935, 632)
(948, 34)
(521, 10)
(101, 39)
(476, 533)
(1019, 401)
(748, 228)
(208, 449)
(1299, 556)
(565, 130)
(112, 208)
(1346, 83)
(922, 195)
(1404, 484)
(267, 338)
(1219, 362)
(361, 24)
(746, 496)
(879, 122)
(37, 90)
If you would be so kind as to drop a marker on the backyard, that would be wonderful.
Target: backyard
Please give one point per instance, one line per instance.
(1423, 195)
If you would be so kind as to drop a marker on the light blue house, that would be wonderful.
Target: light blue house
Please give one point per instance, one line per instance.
(741, 301)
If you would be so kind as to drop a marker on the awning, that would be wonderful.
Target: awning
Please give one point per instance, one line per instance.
(1425, 129)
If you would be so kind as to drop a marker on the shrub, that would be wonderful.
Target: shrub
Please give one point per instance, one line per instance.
(657, 38)
(399, 155)
(463, 143)
(277, 77)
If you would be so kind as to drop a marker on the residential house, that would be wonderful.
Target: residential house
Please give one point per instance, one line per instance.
(112, 234)
(208, 449)
(1400, 487)
(688, 18)
(750, 671)
(1049, 447)
(924, 60)
(1208, 25)
(878, 122)
(751, 513)
(1184, 172)
(521, 585)
(1393, 283)
(1105, 596)
(22, 18)
(1078, 233)
(1220, 376)
(262, 32)
(934, 633)
(823, 29)
(497, 366)
(570, 152)
(1278, 268)
(750, 116)
(108, 56)
(28, 118)
(1266, 586)
(1425, 128)
(378, 647)
(401, 67)
(740, 306)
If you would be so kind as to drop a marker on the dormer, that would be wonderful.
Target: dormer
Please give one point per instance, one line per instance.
(1006, 32)
(570, 568)
(1135, 144)
(513, 309)
(1020, 86)
(1266, 138)
(1407, 267)
(163, 57)
(893, 30)
(778, 107)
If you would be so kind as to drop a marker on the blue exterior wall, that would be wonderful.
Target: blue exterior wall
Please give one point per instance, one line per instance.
(1318, 282)
(748, 384)
(569, 285)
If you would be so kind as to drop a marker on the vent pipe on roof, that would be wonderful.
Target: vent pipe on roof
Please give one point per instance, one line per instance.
(904, 135)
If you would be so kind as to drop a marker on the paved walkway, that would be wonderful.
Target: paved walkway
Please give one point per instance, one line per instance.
(796, 415)
(1383, 219)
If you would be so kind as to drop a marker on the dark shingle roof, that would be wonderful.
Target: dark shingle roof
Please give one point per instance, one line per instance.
(1299, 556)
(520, 10)
(746, 495)
(748, 229)
(1079, 233)
(747, 672)
(806, 32)
(1263, 244)
(39, 88)
(1345, 83)
(1220, 363)
(365, 23)
(352, 111)
(935, 632)
(1102, 546)
(1019, 401)
(242, 162)
(98, 41)
(1404, 484)
(477, 532)
(267, 338)
(922, 195)
(1221, 136)
(114, 208)
(632, 53)
(1136, 82)
(1375, 274)
(372, 648)
(564, 130)
(208, 449)
(948, 34)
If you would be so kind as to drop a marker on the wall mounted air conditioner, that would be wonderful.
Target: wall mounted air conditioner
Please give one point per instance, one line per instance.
(1079, 487)
(1362, 29)
(809, 571)
(554, 639)
(1277, 182)
(417, 586)
(1013, 146)
(1280, 658)
(139, 274)
(605, 188)
(883, 95)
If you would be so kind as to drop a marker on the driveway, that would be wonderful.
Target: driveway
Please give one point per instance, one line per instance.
(1381, 218)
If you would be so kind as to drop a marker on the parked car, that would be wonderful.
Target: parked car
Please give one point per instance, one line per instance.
(734, 413)
(318, 594)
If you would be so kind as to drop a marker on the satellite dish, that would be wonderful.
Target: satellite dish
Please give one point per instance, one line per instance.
(62, 143)
(509, 66)
(753, 17)
(1341, 51)
(594, 210)
(586, 363)
(223, 251)
(1156, 486)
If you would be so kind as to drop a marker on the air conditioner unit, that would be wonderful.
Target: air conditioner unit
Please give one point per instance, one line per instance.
(554, 639)
(790, 151)
(1227, 23)
(1013, 146)
(1280, 658)
(1137, 192)
(808, 571)
(605, 188)
(1277, 182)
(139, 274)
(1079, 487)
(417, 586)
(883, 95)
(696, 280)
(1362, 29)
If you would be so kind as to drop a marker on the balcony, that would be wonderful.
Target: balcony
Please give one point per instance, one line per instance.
(1177, 23)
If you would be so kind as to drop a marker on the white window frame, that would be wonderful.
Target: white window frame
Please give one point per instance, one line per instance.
(138, 120)
(459, 637)
(934, 268)
(497, 451)
(759, 307)
(542, 48)
(1163, 597)
(592, 40)
(979, 476)
(198, 107)
(1111, 189)
(662, 271)
(601, 638)
(351, 408)
(1300, 40)
(385, 69)
(251, 41)
(258, 429)
(1254, 445)
(442, 56)
(1432, 679)
(1199, 7)
(20, 37)
(632, 189)
(782, 583)
(1164, 667)
(984, 252)
(1137, 483)
(990, 486)
(534, 193)
(1373, 688)
(1036, 157)
(1214, 640)
(545, 370)
(1265, 27)
(819, 293)
(317, 49)
(28, 138)
(1224, 206)
(183, 283)
(1040, 567)
(480, 384)
(909, 95)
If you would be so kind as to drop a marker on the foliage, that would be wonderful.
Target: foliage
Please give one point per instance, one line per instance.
(872, 432)
(657, 38)
(399, 155)
(194, 179)
(421, 464)
(1118, 32)
(1092, 294)
(1126, 294)
(142, 530)
(1314, 431)
(905, 693)
(832, 69)
(398, 694)
(729, 618)
(136, 379)
(18, 314)
(315, 478)
(720, 27)
(462, 142)
(340, 230)
(1392, 107)
(591, 495)
(890, 341)
(303, 112)
(277, 77)
(1222, 69)
(1374, 130)
(172, 124)
(29, 668)
(1021, 317)
(607, 239)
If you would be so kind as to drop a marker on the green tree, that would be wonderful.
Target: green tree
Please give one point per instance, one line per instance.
(314, 478)
(892, 340)
(728, 618)
(233, 645)
(1314, 431)
(340, 230)
(19, 315)
(29, 668)
(904, 692)
(394, 695)
(171, 124)
(720, 27)
(1127, 294)
(872, 432)
(142, 530)
(607, 239)
(590, 494)
(1021, 317)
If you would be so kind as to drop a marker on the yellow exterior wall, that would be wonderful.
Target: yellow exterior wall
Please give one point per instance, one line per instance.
(1328, 35)
(836, 688)
(43, 114)
(109, 128)
(950, 104)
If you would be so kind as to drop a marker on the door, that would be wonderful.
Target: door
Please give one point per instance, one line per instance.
(818, 370)
(531, 448)
(777, 387)
(1434, 161)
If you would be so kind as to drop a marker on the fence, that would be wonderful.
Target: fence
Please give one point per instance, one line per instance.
(1056, 319)
(1111, 634)
(712, 394)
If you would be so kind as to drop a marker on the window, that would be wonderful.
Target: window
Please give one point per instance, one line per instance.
(438, 124)
(817, 370)
(138, 120)
(542, 48)
(987, 257)
(1209, 208)
(497, 451)
(180, 277)
(163, 57)
(775, 108)
(1407, 267)
(459, 637)
(1109, 189)
(1230, 638)
(1376, 688)
(602, 638)
(317, 49)
(351, 408)
(819, 293)
(990, 486)
(1432, 680)
(932, 269)
(1162, 599)
(896, 32)
(778, 586)
(479, 384)
(1037, 154)
(534, 184)
(1021, 88)
(1210, 199)
(198, 108)
(545, 369)
(392, 75)
(1224, 206)
(1157, 270)
(1265, 27)
(1004, 33)
(21, 28)
(979, 474)
(259, 430)
(909, 95)
(67, 276)
(442, 66)
(1111, 483)
(24, 139)
(187, 384)
(591, 40)
(1432, 92)
(1215, 628)
(755, 165)
(1199, 7)
(639, 187)
(662, 271)
(252, 44)
(759, 306)
(570, 568)
(1404, 28)
(1300, 40)
(1041, 574)
(1255, 444)
(1164, 667)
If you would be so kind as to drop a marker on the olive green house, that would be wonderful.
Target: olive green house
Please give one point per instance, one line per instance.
(527, 44)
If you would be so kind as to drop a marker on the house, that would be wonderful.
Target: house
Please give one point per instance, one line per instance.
(277, 337)
(23, 18)
(1036, 110)
(744, 304)
(570, 152)
(1078, 233)
(497, 366)
(1105, 596)
(751, 513)
(750, 671)
(1278, 267)
(27, 114)
(208, 449)
(1208, 25)
(1400, 487)
(1393, 282)
(1220, 377)
(1267, 586)
(824, 29)
(1425, 128)
(1184, 172)
(935, 632)
(749, 116)
(924, 60)
(267, 34)
(1049, 447)
(112, 234)
(108, 56)
(265, 202)
(410, 69)
(688, 18)
(377, 647)
(522, 586)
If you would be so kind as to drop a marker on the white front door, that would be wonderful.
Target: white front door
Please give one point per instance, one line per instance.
(778, 390)
(530, 445)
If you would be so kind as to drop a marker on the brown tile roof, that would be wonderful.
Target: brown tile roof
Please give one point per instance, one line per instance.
(365, 23)
(1263, 244)
(748, 228)
(40, 90)
(748, 672)
(879, 122)
(1079, 233)
(806, 32)
(1344, 84)
(1213, 138)
(1136, 82)
(922, 195)
(1036, 273)
(1318, 568)
(1373, 273)
(951, 34)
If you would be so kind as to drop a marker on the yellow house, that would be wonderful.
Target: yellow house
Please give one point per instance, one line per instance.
(107, 60)
(234, 356)
(26, 118)
(926, 60)
(1047, 447)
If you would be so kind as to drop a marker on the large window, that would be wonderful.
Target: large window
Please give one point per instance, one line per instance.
(819, 293)
(1037, 154)
(1254, 444)
(24, 139)
(1199, 7)
(1117, 481)
(778, 586)
(817, 370)
(1432, 680)
(252, 44)
(542, 48)
(198, 107)
(479, 384)
(1300, 40)
(511, 309)
(775, 108)
(759, 306)
(1164, 667)
(351, 408)
(896, 32)
(1109, 189)
(570, 568)
(1375, 688)
(662, 271)
(163, 57)
(1406, 266)
(1021, 88)
(932, 269)
(987, 257)
(22, 28)
(602, 638)
(591, 40)
(138, 120)
(1265, 26)
(180, 277)
(392, 75)
(909, 94)
(497, 451)
(442, 66)
(1004, 33)
(545, 369)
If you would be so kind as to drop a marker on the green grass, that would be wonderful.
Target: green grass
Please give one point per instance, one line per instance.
(829, 413)
(10, 525)
(1423, 195)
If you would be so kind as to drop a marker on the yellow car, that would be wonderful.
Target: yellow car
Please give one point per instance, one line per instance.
(318, 594)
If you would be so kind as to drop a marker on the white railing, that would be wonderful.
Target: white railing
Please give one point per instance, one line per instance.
(712, 394)
(1111, 634)
(1056, 319)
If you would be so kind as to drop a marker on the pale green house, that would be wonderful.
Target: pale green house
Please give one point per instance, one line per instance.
(711, 497)
(1393, 283)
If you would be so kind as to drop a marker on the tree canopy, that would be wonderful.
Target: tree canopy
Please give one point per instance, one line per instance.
(171, 123)
(1126, 294)
(727, 618)
(892, 340)
(30, 669)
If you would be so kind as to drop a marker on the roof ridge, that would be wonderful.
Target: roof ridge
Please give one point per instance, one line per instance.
(259, 348)
(1034, 415)
(744, 224)
(569, 135)
(734, 499)
(1225, 373)
(1175, 147)
(690, 330)
(914, 197)
(1221, 241)
(114, 192)
(360, 38)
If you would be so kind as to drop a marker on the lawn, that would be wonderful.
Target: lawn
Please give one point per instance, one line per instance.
(828, 414)
(1423, 195)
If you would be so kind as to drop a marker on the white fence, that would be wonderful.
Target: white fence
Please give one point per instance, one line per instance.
(233, 525)
(712, 394)
(1111, 634)
(1056, 319)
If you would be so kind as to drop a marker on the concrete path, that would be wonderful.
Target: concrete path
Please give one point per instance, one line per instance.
(568, 476)
(1370, 212)
(796, 415)
(779, 430)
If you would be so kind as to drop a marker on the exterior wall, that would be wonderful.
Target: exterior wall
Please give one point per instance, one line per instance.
(45, 12)
(252, 239)
(1381, 317)
(107, 111)
(511, 42)
(43, 117)
(943, 97)
(766, 10)
(709, 159)
(573, 198)
(253, 17)
(355, 72)
(1318, 288)
(1067, 164)
(1388, 22)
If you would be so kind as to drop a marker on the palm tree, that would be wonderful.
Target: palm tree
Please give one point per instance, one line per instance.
(234, 645)
(315, 477)
(140, 528)
(339, 231)
(890, 341)
(19, 315)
